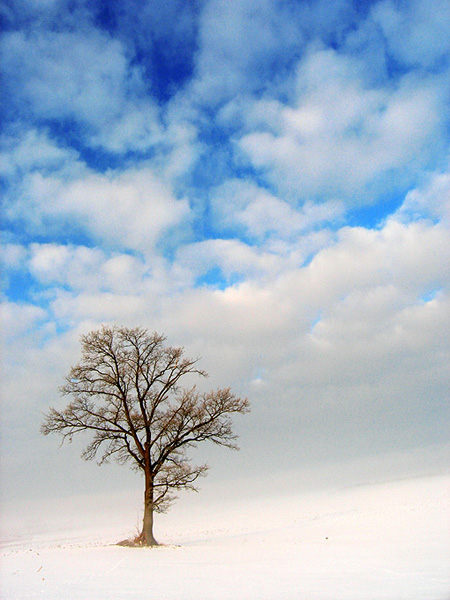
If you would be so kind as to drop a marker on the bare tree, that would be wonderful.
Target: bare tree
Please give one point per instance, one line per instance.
(125, 390)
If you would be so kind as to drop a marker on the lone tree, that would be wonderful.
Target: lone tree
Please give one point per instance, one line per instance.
(125, 389)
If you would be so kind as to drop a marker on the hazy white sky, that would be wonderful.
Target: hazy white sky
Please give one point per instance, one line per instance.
(265, 182)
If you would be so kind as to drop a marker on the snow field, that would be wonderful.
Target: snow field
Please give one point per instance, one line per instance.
(387, 541)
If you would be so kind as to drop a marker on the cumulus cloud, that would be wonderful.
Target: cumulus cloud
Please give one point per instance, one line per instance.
(97, 308)
(34, 150)
(19, 318)
(432, 200)
(83, 77)
(364, 291)
(240, 43)
(77, 74)
(82, 268)
(246, 47)
(260, 214)
(126, 210)
(235, 260)
(417, 36)
(343, 138)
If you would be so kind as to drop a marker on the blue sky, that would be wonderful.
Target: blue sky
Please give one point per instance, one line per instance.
(267, 182)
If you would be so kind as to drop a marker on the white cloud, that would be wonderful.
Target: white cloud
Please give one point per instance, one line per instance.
(355, 294)
(96, 308)
(76, 74)
(242, 204)
(83, 76)
(343, 136)
(417, 35)
(136, 128)
(370, 307)
(432, 200)
(13, 255)
(182, 143)
(132, 208)
(13, 260)
(369, 332)
(34, 150)
(88, 269)
(248, 46)
(232, 257)
(239, 42)
(125, 210)
(17, 319)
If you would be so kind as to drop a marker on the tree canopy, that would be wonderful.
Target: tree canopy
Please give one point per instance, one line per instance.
(126, 390)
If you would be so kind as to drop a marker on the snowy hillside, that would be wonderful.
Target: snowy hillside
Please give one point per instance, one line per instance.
(385, 541)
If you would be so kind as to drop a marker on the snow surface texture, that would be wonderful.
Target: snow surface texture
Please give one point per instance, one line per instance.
(387, 541)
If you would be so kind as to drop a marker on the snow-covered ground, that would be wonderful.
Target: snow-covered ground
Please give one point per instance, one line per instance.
(387, 541)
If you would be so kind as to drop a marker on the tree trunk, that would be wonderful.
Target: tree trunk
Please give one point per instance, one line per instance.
(146, 538)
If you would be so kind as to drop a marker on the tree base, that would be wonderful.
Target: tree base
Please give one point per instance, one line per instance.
(139, 541)
(142, 540)
(136, 543)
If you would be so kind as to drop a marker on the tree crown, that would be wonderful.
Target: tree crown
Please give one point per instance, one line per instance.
(126, 390)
